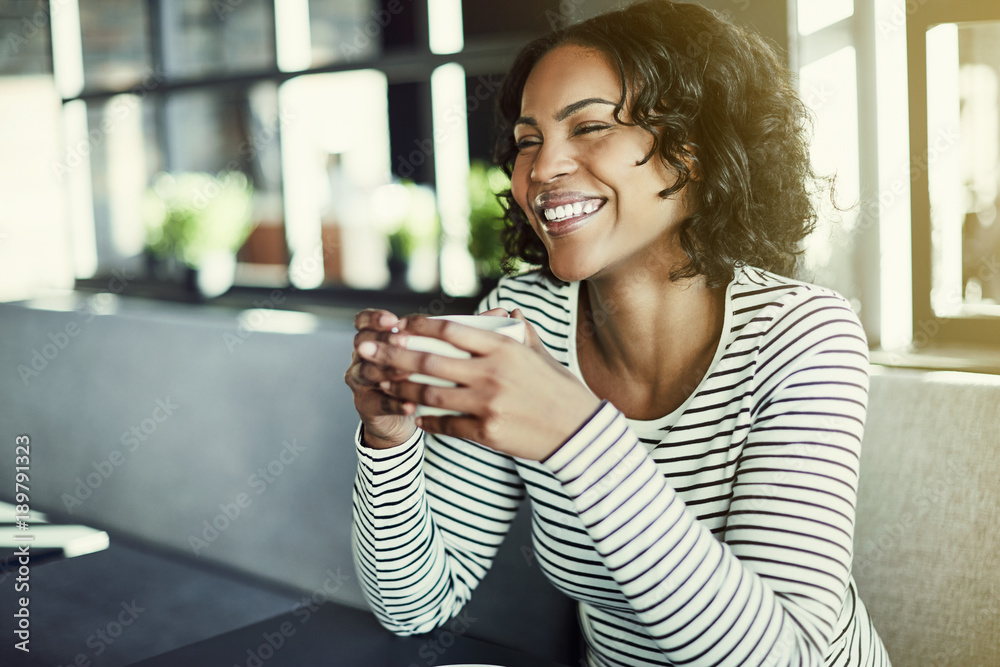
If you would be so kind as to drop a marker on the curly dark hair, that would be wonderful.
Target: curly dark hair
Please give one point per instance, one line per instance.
(723, 112)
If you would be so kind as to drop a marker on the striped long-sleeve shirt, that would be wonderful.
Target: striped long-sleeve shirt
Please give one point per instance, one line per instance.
(720, 534)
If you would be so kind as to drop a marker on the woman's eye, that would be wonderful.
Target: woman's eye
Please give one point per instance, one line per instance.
(593, 127)
(526, 143)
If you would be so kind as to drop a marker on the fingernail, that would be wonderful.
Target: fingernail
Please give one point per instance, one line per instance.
(367, 349)
(384, 385)
(394, 330)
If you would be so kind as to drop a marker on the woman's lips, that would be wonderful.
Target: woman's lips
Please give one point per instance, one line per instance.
(561, 214)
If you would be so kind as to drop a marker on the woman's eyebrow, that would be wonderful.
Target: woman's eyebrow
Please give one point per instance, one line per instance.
(571, 109)
(566, 111)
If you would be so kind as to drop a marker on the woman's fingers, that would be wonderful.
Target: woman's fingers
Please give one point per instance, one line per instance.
(459, 399)
(399, 362)
(373, 318)
(376, 402)
(459, 426)
(370, 399)
(363, 371)
(531, 338)
(477, 341)
(369, 336)
(371, 375)
(360, 376)
(388, 420)
(364, 374)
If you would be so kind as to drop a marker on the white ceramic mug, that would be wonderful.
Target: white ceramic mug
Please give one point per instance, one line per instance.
(507, 326)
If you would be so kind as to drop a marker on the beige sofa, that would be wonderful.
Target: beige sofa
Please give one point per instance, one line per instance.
(927, 541)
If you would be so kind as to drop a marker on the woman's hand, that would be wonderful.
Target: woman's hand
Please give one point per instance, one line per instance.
(514, 397)
(387, 421)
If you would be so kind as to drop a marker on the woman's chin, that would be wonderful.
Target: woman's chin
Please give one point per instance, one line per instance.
(569, 271)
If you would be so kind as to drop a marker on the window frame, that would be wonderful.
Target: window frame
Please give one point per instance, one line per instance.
(930, 330)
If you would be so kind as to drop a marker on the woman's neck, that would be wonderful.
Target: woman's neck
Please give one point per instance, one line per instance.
(646, 341)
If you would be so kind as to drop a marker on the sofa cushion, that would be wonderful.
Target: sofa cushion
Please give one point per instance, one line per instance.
(927, 547)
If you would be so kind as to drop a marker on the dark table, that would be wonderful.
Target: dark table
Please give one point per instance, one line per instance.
(336, 636)
(130, 604)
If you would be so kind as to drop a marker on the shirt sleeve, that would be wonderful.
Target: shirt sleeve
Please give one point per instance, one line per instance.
(771, 591)
(429, 517)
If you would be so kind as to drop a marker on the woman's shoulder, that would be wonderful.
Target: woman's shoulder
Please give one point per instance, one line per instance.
(531, 291)
(775, 305)
(770, 290)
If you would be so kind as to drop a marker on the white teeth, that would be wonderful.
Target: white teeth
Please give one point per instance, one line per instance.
(570, 210)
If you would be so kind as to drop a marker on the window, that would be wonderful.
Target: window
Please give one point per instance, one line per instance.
(954, 59)
(199, 38)
(34, 248)
(327, 109)
(26, 47)
(832, 61)
(115, 40)
(905, 99)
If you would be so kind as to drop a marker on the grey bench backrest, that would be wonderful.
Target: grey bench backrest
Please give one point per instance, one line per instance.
(174, 426)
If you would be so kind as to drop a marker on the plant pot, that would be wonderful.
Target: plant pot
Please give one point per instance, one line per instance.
(398, 269)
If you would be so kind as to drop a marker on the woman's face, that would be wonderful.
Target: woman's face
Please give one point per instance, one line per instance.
(576, 178)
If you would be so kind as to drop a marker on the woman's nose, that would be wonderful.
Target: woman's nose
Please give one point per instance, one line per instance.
(554, 159)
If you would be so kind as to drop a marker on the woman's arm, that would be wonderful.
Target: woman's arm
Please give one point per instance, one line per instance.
(772, 591)
(429, 516)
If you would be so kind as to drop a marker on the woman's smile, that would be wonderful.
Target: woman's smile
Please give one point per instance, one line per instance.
(565, 212)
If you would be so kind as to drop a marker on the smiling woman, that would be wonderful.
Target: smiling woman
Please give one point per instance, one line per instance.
(685, 419)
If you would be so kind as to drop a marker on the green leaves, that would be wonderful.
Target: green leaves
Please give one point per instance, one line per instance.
(189, 215)
(486, 217)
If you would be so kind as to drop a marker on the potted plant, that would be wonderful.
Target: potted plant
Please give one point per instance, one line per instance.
(486, 219)
(195, 223)
(401, 245)
(406, 213)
